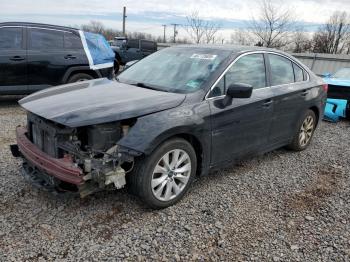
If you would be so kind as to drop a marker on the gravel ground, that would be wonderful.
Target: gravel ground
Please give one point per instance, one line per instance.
(282, 206)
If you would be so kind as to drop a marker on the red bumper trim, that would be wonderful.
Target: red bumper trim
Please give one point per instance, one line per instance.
(59, 168)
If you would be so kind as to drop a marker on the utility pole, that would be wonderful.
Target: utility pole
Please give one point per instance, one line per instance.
(124, 17)
(175, 32)
(164, 38)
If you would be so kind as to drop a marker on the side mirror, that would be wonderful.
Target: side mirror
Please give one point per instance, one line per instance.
(238, 90)
(129, 64)
(326, 75)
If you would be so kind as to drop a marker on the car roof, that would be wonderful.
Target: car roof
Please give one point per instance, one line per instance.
(232, 48)
(29, 24)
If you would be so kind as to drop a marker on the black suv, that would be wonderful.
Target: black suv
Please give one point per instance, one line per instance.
(37, 56)
(127, 50)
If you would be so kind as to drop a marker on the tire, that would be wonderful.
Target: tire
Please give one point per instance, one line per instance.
(158, 190)
(306, 129)
(79, 77)
(116, 67)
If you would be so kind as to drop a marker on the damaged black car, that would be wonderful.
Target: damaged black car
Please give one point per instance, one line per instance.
(176, 114)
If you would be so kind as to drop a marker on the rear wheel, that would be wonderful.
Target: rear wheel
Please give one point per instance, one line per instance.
(163, 178)
(307, 126)
(116, 67)
(80, 77)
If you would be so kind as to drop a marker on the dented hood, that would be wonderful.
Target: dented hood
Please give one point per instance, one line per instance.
(97, 101)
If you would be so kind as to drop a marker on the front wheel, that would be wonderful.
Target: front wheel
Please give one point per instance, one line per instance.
(307, 126)
(163, 178)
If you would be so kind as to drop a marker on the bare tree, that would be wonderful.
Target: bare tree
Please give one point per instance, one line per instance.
(301, 42)
(94, 27)
(109, 33)
(210, 31)
(99, 28)
(273, 25)
(331, 37)
(201, 30)
(242, 37)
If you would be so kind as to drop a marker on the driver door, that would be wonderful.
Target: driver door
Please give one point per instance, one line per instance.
(242, 127)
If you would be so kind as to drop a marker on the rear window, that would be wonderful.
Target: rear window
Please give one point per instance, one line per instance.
(281, 70)
(11, 38)
(72, 41)
(299, 73)
(44, 39)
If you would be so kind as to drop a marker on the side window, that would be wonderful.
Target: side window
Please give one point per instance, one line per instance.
(10, 38)
(147, 45)
(281, 70)
(299, 74)
(219, 89)
(72, 41)
(249, 69)
(43, 39)
(133, 43)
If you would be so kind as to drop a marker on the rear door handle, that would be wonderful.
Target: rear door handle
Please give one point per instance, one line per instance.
(267, 103)
(17, 58)
(70, 57)
(304, 93)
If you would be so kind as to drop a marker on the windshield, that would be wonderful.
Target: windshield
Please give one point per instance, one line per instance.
(342, 73)
(179, 70)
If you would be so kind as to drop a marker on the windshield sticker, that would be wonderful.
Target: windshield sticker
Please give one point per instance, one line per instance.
(203, 56)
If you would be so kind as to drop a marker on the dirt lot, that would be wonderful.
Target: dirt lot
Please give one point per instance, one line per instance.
(282, 206)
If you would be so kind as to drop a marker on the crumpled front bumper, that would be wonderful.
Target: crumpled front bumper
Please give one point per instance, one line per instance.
(62, 169)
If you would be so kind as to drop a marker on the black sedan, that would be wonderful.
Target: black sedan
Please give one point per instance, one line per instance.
(178, 113)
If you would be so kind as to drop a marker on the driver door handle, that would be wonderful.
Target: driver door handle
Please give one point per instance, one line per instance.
(70, 57)
(17, 58)
(267, 103)
(304, 93)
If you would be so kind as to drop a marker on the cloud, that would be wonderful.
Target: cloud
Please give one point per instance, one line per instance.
(148, 15)
(308, 10)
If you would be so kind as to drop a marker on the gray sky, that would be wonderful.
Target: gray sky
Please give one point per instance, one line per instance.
(148, 15)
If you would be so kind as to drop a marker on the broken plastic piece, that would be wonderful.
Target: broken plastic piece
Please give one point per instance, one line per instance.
(335, 109)
(117, 177)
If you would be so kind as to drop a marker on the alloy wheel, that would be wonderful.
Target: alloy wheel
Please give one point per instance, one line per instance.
(306, 130)
(171, 175)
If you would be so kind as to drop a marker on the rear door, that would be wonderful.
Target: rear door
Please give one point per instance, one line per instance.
(290, 91)
(74, 54)
(13, 60)
(47, 60)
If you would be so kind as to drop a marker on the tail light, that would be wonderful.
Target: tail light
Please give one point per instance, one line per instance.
(325, 87)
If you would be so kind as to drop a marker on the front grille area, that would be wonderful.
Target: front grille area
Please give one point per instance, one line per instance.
(43, 139)
(46, 135)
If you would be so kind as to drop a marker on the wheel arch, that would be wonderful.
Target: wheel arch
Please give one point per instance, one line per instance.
(197, 146)
(190, 138)
(80, 69)
(316, 110)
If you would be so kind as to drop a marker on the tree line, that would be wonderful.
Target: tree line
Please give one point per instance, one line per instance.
(275, 26)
